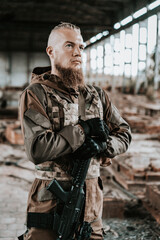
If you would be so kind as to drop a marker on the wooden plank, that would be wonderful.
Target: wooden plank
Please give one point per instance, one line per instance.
(153, 195)
(132, 174)
(113, 208)
(133, 186)
(127, 171)
(13, 134)
(152, 176)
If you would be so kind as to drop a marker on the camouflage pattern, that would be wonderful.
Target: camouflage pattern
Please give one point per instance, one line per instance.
(70, 113)
(49, 117)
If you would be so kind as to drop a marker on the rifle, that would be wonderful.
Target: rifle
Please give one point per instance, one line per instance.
(67, 225)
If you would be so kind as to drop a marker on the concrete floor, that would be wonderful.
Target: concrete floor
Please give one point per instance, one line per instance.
(15, 182)
(13, 202)
(14, 192)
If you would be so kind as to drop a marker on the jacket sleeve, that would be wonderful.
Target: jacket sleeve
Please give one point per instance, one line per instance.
(41, 142)
(120, 133)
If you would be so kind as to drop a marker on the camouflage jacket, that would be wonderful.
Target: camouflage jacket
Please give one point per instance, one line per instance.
(50, 123)
(49, 118)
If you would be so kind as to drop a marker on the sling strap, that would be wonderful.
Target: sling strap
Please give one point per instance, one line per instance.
(40, 220)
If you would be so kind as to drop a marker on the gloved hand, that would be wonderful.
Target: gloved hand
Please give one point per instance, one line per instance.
(106, 129)
(95, 127)
(88, 149)
(102, 147)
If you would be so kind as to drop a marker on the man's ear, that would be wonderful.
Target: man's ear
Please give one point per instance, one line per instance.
(49, 51)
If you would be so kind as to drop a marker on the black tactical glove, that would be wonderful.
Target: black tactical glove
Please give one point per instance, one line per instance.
(106, 129)
(102, 147)
(95, 127)
(88, 149)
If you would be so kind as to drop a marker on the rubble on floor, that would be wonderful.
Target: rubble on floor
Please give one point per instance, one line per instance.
(10, 130)
(13, 133)
(142, 114)
(153, 196)
(139, 228)
(138, 171)
(114, 200)
(131, 185)
(14, 162)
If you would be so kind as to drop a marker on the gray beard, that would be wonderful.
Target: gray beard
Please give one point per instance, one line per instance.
(70, 78)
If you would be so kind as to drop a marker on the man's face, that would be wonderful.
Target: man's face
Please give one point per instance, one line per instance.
(68, 48)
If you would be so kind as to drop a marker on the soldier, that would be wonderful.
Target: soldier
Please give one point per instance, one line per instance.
(62, 116)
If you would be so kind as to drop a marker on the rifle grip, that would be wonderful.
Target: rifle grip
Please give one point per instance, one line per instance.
(55, 188)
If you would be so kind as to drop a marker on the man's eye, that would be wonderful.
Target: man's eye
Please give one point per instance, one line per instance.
(69, 45)
(81, 48)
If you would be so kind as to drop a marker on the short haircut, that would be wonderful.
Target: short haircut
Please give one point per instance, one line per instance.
(66, 25)
(63, 25)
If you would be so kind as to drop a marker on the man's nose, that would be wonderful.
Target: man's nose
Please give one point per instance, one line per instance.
(76, 51)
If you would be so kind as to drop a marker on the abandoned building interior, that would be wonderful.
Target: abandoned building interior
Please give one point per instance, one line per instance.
(122, 56)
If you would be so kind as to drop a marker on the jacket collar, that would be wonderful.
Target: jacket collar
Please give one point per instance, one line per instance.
(43, 76)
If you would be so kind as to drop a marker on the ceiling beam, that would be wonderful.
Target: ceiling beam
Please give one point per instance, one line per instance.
(38, 26)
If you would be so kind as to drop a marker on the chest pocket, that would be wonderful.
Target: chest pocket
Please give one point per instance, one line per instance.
(64, 114)
(94, 109)
(56, 117)
(61, 112)
(70, 113)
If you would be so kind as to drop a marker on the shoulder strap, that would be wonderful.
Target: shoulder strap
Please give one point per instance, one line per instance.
(81, 106)
(55, 113)
(49, 103)
(97, 99)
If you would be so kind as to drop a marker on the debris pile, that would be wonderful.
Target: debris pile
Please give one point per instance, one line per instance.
(13, 134)
(11, 131)
(131, 183)
(142, 114)
(14, 162)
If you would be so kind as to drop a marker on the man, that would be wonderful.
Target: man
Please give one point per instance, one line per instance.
(61, 118)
